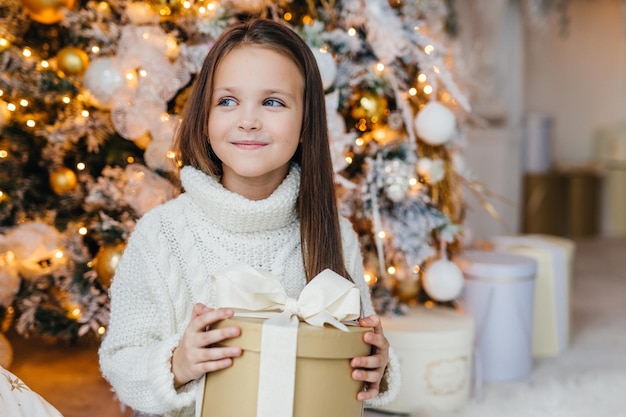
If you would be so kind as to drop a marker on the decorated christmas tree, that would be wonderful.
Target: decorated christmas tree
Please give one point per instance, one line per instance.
(90, 96)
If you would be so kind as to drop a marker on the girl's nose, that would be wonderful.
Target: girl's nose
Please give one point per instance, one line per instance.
(249, 120)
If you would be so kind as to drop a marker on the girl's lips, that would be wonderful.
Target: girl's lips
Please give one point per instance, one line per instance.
(249, 145)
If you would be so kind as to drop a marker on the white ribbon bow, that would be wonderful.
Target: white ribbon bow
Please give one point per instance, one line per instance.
(328, 298)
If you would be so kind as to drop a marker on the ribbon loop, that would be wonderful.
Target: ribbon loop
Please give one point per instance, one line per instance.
(328, 298)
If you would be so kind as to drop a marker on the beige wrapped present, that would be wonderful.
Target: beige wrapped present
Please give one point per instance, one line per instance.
(296, 353)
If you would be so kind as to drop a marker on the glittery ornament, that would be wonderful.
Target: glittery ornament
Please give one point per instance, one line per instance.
(397, 179)
(106, 82)
(106, 261)
(63, 180)
(369, 106)
(140, 13)
(47, 11)
(72, 61)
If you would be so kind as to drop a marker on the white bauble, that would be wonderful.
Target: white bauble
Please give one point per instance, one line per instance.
(443, 280)
(327, 66)
(140, 13)
(435, 123)
(106, 82)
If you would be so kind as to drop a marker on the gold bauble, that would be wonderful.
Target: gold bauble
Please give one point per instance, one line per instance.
(72, 61)
(407, 289)
(63, 180)
(395, 4)
(47, 11)
(106, 261)
(165, 8)
(369, 106)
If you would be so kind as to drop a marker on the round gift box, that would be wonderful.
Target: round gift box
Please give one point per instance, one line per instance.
(323, 381)
(499, 293)
(434, 346)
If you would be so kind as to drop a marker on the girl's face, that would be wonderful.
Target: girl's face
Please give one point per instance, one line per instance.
(255, 119)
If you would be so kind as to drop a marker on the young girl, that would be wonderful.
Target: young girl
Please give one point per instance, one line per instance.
(259, 189)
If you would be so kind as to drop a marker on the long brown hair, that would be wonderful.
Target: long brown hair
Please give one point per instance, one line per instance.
(320, 235)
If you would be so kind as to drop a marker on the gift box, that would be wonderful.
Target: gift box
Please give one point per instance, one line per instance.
(434, 346)
(552, 310)
(323, 382)
(499, 293)
(296, 352)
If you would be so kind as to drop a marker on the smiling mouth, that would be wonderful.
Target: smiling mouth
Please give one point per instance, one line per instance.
(249, 145)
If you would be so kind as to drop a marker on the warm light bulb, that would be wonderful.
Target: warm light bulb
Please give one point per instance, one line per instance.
(352, 32)
(287, 16)
(380, 67)
(382, 234)
(170, 154)
(348, 159)
(429, 49)
(24, 102)
(95, 49)
(27, 52)
(45, 64)
(30, 123)
(436, 69)
(421, 77)
(4, 43)
(75, 313)
(391, 270)
(84, 113)
(3, 153)
(359, 141)
(80, 166)
(58, 254)
(66, 100)
(101, 330)
(428, 89)
(11, 107)
(130, 159)
(413, 91)
(82, 231)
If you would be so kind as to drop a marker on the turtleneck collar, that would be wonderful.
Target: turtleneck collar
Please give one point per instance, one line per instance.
(236, 213)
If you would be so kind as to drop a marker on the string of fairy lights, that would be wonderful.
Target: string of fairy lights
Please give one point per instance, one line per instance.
(393, 106)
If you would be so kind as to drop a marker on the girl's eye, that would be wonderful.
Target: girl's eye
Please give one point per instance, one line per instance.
(226, 102)
(273, 103)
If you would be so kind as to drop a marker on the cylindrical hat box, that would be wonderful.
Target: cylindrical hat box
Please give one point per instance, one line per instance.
(434, 346)
(499, 295)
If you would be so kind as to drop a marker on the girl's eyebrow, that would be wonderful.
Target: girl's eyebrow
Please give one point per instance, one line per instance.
(266, 92)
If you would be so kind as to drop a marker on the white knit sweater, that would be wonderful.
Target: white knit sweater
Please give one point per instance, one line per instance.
(165, 269)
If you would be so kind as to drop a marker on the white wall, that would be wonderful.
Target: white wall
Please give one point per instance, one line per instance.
(579, 78)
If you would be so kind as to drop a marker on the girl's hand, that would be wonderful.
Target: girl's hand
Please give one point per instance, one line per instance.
(370, 369)
(195, 356)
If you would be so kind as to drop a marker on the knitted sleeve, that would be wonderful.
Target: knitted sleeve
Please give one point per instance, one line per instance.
(135, 355)
(354, 264)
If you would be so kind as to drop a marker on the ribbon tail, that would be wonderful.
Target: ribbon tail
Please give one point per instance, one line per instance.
(324, 317)
(277, 368)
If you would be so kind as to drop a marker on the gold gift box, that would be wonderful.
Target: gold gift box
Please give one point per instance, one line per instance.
(323, 381)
